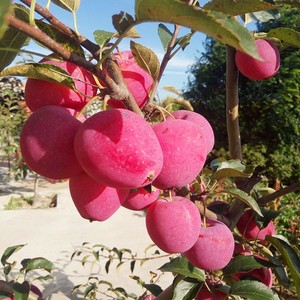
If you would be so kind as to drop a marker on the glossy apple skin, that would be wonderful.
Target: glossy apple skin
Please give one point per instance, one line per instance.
(46, 142)
(93, 200)
(255, 69)
(138, 81)
(139, 199)
(214, 247)
(184, 153)
(119, 149)
(39, 93)
(173, 226)
(207, 131)
(248, 227)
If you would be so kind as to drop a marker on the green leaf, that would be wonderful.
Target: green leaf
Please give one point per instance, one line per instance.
(286, 35)
(238, 7)
(185, 288)
(65, 40)
(228, 172)
(41, 71)
(247, 199)
(219, 26)
(184, 41)
(165, 35)
(37, 263)
(13, 40)
(146, 59)
(21, 290)
(70, 5)
(295, 3)
(9, 252)
(253, 290)
(290, 258)
(280, 272)
(123, 23)
(182, 266)
(103, 37)
(243, 263)
(217, 164)
(268, 215)
(153, 289)
(265, 16)
(4, 10)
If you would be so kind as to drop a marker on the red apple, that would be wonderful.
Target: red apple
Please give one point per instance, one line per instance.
(40, 93)
(93, 200)
(119, 149)
(140, 198)
(214, 247)
(138, 81)
(255, 69)
(173, 224)
(248, 227)
(207, 131)
(47, 142)
(184, 153)
(212, 294)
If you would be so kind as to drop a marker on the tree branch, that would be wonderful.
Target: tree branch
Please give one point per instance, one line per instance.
(289, 189)
(232, 108)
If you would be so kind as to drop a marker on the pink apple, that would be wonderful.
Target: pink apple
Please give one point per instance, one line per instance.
(139, 199)
(138, 81)
(184, 153)
(46, 141)
(93, 200)
(40, 93)
(173, 224)
(214, 247)
(213, 294)
(248, 227)
(255, 69)
(119, 149)
(207, 131)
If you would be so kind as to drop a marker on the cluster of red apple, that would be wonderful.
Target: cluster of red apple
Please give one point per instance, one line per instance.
(112, 157)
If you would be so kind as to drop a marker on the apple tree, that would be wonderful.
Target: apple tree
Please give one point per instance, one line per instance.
(212, 218)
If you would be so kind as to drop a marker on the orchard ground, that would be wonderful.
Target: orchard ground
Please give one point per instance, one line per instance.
(55, 233)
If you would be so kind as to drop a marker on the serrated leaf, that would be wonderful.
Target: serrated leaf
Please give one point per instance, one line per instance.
(290, 257)
(70, 5)
(253, 290)
(123, 23)
(286, 35)
(21, 290)
(9, 252)
(4, 10)
(247, 199)
(182, 266)
(65, 40)
(102, 37)
(228, 172)
(37, 263)
(238, 7)
(243, 263)
(219, 26)
(165, 35)
(146, 59)
(13, 40)
(41, 71)
(185, 288)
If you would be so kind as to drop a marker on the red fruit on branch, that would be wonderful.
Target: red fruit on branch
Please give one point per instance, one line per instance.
(213, 294)
(138, 81)
(184, 153)
(173, 224)
(249, 228)
(93, 200)
(46, 141)
(256, 69)
(207, 131)
(40, 93)
(214, 247)
(119, 149)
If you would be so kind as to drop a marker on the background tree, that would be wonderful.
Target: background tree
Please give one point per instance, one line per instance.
(269, 109)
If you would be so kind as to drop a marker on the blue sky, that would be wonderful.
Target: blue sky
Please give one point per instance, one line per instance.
(96, 15)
